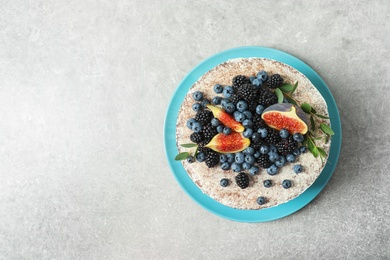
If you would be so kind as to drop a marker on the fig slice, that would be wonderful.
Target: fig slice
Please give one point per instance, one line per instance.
(287, 116)
(226, 119)
(231, 143)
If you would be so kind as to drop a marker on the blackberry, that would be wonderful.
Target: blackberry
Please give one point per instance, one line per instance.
(273, 136)
(255, 146)
(209, 132)
(242, 180)
(267, 98)
(234, 99)
(197, 137)
(257, 122)
(287, 145)
(274, 81)
(204, 116)
(252, 105)
(264, 161)
(247, 92)
(212, 158)
(239, 80)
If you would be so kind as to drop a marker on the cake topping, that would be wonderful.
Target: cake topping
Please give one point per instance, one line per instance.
(286, 184)
(261, 200)
(242, 180)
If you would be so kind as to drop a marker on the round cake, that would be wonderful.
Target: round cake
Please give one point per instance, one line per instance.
(235, 162)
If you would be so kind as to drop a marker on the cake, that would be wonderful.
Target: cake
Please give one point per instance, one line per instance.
(251, 184)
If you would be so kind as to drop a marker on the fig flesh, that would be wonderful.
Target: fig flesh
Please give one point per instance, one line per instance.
(226, 119)
(286, 116)
(231, 143)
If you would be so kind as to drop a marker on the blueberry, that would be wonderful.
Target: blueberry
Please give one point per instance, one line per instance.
(254, 170)
(227, 130)
(215, 122)
(236, 167)
(303, 149)
(248, 114)
(290, 158)
(218, 88)
(224, 101)
(238, 116)
(247, 123)
(229, 107)
(196, 107)
(257, 82)
(273, 149)
(224, 182)
(222, 158)
(257, 154)
(216, 100)
(261, 200)
(249, 150)
(230, 157)
(284, 133)
(197, 96)
(259, 109)
(228, 91)
(298, 137)
(196, 127)
(200, 157)
(286, 184)
(264, 149)
(296, 152)
(248, 133)
(262, 75)
(272, 156)
(225, 166)
(249, 159)
(255, 137)
(190, 159)
(252, 78)
(272, 170)
(242, 106)
(190, 122)
(281, 161)
(267, 183)
(246, 166)
(205, 102)
(220, 128)
(297, 168)
(239, 158)
(263, 132)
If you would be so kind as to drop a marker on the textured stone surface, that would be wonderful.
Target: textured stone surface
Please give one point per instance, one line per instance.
(84, 87)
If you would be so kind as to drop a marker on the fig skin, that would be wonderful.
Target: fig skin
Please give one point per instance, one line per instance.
(290, 112)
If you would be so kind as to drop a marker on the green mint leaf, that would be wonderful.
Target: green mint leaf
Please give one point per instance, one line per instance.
(322, 116)
(190, 145)
(313, 124)
(294, 87)
(306, 107)
(287, 88)
(315, 151)
(313, 110)
(279, 95)
(326, 129)
(290, 100)
(182, 156)
(310, 144)
(321, 151)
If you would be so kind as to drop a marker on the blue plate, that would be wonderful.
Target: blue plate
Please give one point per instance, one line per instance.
(190, 187)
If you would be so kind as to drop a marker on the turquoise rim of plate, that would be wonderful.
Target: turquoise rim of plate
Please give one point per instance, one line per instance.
(190, 187)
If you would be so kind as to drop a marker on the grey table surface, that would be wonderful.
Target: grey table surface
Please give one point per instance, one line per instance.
(84, 88)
